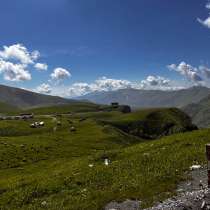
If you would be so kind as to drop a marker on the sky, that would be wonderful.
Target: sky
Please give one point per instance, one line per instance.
(74, 47)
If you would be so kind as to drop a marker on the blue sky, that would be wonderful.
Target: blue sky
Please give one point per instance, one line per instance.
(105, 44)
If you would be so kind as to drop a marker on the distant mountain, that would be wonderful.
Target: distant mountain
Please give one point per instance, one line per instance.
(150, 98)
(199, 112)
(25, 99)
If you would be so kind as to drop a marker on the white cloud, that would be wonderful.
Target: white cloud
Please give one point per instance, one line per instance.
(107, 84)
(41, 66)
(205, 71)
(155, 81)
(35, 55)
(20, 53)
(14, 72)
(15, 61)
(60, 74)
(101, 84)
(79, 89)
(190, 72)
(205, 22)
(44, 88)
(208, 5)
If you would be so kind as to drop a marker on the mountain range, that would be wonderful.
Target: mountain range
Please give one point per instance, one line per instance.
(194, 101)
(150, 98)
(199, 112)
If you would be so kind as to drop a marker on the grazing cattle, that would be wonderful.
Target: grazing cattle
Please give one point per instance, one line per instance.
(106, 161)
(59, 123)
(32, 125)
(41, 123)
(72, 129)
(37, 124)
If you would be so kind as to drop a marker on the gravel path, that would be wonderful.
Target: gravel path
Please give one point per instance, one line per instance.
(191, 195)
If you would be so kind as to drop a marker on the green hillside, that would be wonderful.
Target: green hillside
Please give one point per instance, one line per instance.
(25, 99)
(153, 123)
(75, 107)
(48, 168)
(6, 108)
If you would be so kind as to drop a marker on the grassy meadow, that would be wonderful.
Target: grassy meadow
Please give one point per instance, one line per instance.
(54, 168)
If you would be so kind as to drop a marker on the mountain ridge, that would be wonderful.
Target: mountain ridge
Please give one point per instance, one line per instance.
(199, 112)
(150, 98)
(26, 99)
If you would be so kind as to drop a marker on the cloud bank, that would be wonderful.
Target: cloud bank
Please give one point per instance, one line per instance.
(16, 63)
(108, 84)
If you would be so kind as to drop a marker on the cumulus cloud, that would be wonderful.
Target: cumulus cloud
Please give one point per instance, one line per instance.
(60, 74)
(107, 84)
(44, 88)
(79, 89)
(101, 84)
(19, 53)
(15, 61)
(205, 22)
(155, 81)
(14, 72)
(190, 72)
(41, 66)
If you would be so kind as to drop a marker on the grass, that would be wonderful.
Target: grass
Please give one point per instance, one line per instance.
(152, 123)
(6, 108)
(45, 169)
(74, 107)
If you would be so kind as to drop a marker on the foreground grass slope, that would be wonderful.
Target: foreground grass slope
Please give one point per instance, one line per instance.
(48, 168)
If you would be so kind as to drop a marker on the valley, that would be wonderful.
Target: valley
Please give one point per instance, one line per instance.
(48, 168)
(83, 155)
